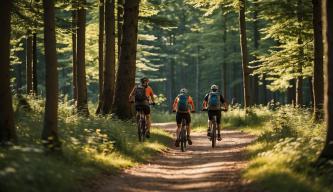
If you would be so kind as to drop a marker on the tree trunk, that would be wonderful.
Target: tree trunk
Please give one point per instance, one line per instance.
(318, 77)
(197, 80)
(256, 38)
(50, 128)
(327, 20)
(34, 65)
(100, 54)
(7, 127)
(74, 49)
(29, 62)
(291, 93)
(126, 72)
(82, 98)
(245, 62)
(110, 62)
(224, 64)
(120, 20)
(299, 80)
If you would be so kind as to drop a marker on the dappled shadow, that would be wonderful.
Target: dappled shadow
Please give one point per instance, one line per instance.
(200, 168)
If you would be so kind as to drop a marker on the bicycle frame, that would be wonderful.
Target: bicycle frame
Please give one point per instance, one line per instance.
(142, 126)
(183, 135)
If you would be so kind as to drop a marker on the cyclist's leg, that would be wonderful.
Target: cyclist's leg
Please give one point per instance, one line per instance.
(210, 117)
(148, 119)
(188, 120)
(218, 121)
(178, 121)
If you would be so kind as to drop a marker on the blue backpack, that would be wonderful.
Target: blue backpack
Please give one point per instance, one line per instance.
(182, 103)
(214, 102)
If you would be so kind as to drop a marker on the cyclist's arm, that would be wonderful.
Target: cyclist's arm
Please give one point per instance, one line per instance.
(152, 95)
(190, 101)
(130, 97)
(224, 102)
(204, 104)
(175, 103)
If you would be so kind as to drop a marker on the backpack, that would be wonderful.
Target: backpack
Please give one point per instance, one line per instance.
(182, 103)
(214, 102)
(140, 94)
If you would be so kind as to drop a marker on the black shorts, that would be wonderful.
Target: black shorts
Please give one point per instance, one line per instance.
(180, 116)
(217, 113)
(144, 108)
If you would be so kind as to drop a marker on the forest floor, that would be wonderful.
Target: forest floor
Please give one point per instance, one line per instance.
(200, 168)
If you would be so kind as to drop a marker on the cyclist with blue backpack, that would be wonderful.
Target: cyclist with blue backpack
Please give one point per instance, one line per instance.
(213, 103)
(183, 105)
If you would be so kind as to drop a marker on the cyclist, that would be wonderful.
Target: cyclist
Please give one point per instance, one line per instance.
(213, 102)
(143, 94)
(183, 105)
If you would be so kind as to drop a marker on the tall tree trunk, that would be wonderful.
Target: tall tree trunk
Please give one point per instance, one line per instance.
(120, 20)
(34, 65)
(245, 62)
(110, 58)
(74, 50)
(29, 62)
(224, 64)
(318, 77)
(256, 38)
(299, 80)
(126, 72)
(291, 93)
(310, 80)
(197, 79)
(7, 127)
(327, 20)
(265, 91)
(100, 54)
(82, 98)
(50, 128)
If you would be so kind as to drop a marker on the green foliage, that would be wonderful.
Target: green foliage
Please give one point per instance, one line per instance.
(91, 146)
(283, 156)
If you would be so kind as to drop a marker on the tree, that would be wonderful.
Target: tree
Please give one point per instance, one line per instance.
(110, 59)
(7, 127)
(34, 64)
(29, 62)
(327, 20)
(74, 49)
(245, 62)
(318, 78)
(100, 53)
(50, 128)
(127, 60)
(82, 97)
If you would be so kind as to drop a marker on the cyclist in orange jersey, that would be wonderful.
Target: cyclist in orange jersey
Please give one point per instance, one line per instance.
(183, 105)
(143, 94)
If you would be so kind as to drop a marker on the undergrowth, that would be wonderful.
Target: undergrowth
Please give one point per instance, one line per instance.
(90, 146)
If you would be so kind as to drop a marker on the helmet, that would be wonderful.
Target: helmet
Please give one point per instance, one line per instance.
(214, 87)
(144, 80)
(183, 90)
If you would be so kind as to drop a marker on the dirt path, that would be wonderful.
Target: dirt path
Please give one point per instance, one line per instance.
(200, 168)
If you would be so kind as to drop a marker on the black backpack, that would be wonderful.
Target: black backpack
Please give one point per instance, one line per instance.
(140, 94)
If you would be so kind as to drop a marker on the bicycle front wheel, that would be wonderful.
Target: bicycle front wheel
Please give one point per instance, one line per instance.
(183, 140)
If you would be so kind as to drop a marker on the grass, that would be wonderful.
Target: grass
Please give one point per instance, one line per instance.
(282, 158)
(91, 146)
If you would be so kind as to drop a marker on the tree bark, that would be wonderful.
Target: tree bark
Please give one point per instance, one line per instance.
(327, 20)
(120, 20)
(224, 64)
(100, 54)
(82, 98)
(244, 50)
(7, 126)
(299, 67)
(74, 50)
(50, 128)
(318, 77)
(110, 62)
(29, 62)
(34, 65)
(126, 72)
(256, 38)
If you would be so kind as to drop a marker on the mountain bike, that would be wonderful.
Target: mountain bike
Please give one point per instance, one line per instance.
(142, 126)
(214, 128)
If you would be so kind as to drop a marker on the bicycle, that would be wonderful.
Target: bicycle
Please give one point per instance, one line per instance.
(142, 126)
(213, 128)
(183, 135)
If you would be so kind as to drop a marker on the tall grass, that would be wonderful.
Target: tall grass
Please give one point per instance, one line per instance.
(285, 152)
(90, 146)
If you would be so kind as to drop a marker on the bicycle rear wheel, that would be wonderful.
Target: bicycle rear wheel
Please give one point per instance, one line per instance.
(183, 139)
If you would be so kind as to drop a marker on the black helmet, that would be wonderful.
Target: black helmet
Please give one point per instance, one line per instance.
(144, 80)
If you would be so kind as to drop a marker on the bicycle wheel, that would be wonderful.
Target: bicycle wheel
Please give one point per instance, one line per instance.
(214, 132)
(182, 140)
